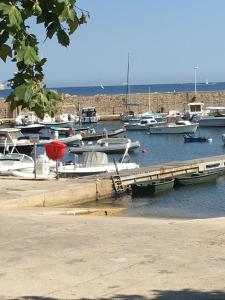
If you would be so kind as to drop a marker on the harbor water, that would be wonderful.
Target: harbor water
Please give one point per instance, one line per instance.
(199, 201)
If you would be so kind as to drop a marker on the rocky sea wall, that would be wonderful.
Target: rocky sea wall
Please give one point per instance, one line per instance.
(116, 104)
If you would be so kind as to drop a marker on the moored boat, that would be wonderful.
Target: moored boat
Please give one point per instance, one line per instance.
(107, 145)
(94, 163)
(153, 186)
(180, 127)
(196, 178)
(189, 138)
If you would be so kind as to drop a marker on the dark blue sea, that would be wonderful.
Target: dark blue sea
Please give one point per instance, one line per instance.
(121, 89)
(200, 201)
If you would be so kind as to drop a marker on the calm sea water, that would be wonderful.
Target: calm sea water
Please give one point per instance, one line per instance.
(200, 201)
(121, 89)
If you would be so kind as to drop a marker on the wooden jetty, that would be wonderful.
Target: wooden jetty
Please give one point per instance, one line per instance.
(166, 170)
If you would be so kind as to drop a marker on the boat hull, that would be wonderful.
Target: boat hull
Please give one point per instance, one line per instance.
(96, 136)
(33, 128)
(106, 149)
(196, 178)
(153, 187)
(179, 129)
(73, 170)
(211, 121)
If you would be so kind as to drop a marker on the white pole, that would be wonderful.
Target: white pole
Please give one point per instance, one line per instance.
(149, 99)
(195, 68)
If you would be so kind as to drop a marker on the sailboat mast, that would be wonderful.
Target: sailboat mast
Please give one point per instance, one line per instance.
(128, 84)
(149, 99)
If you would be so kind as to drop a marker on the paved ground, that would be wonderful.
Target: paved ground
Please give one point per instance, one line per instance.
(47, 255)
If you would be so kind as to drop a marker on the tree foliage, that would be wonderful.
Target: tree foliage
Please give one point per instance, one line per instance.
(60, 18)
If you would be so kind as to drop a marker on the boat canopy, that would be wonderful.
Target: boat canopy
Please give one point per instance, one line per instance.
(92, 159)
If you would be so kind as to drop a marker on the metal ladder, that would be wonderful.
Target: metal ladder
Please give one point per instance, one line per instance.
(117, 184)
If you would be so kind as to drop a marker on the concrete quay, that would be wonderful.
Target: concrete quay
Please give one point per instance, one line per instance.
(20, 193)
(53, 256)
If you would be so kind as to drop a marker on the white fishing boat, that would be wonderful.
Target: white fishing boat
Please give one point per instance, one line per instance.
(180, 127)
(107, 145)
(213, 117)
(145, 123)
(94, 163)
(89, 115)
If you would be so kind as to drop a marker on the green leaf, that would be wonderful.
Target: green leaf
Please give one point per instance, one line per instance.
(52, 29)
(63, 38)
(72, 25)
(5, 51)
(4, 37)
(28, 55)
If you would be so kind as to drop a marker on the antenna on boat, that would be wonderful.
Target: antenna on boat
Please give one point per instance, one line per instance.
(195, 68)
(128, 84)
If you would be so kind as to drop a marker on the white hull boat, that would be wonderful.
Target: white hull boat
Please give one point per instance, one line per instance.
(145, 123)
(22, 165)
(211, 121)
(170, 128)
(107, 145)
(94, 163)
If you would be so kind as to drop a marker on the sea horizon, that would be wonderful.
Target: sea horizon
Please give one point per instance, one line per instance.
(133, 89)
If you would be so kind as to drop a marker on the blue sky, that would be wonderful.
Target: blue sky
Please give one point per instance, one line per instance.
(165, 39)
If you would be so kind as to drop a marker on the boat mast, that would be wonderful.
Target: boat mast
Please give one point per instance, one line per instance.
(128, 84)
(195, 68)
(149, 99)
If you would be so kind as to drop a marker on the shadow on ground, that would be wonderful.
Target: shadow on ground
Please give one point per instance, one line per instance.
(185, 294)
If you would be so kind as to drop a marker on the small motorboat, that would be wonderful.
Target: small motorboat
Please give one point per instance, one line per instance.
(22, 165)
(145, 123)
(94, 163)
(106, 145)
(30, 128)
(189, 138)
(196, 178)
(180, 127)
(152, 186)
(92, 135)
(13, 141)
(67, 131)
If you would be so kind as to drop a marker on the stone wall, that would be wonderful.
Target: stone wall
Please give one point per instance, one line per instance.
(115, 104)
(159, 102)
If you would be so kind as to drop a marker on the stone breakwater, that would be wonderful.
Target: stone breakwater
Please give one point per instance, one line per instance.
(116, 104)
(159, 102)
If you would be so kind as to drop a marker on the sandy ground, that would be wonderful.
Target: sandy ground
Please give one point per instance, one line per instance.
(51, 254)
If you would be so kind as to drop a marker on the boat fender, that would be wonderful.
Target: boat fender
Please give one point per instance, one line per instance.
(82, 133)
(144, 151)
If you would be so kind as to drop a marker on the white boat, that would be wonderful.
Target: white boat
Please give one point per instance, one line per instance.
(22, 165)
(107, 145)
(89, 115)
(94, 163)
(180, 127)
(66, 140)
(26, 118)
(214, 117)
(12, 140)
(145, 123)
(27, 122)
(49, 121)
